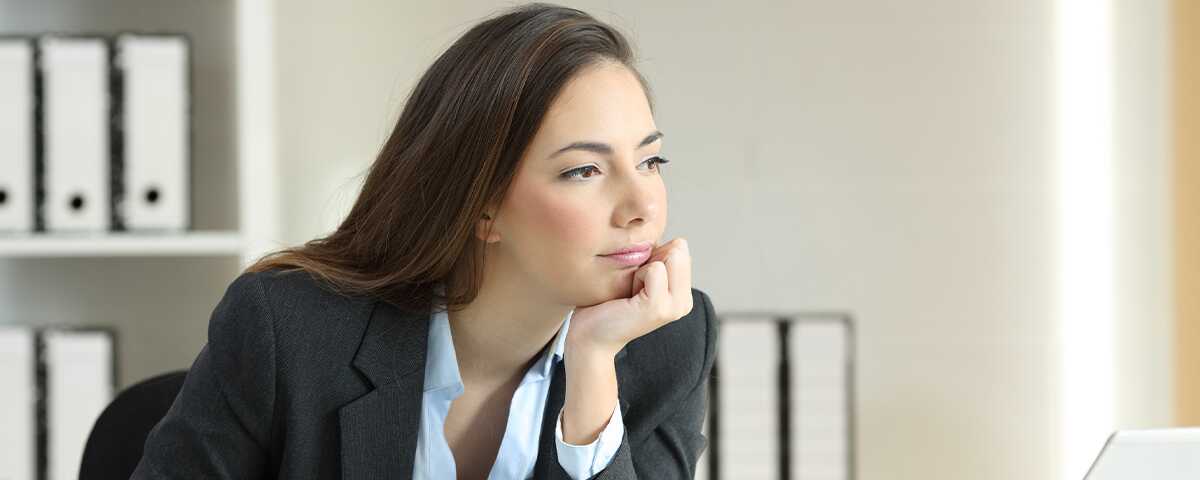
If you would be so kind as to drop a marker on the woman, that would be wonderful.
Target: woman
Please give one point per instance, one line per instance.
(469, 317)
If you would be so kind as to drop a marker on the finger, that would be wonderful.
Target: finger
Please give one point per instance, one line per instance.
(656, 296)
(638, 282)
(679, 275)
(660, 252)
(657, 255)
(639, 278)
(678, 265)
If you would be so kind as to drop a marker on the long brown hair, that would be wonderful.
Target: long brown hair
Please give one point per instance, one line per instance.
(453, 153)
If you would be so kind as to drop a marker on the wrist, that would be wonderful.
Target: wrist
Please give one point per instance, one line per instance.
(587, 351)
(591, 393)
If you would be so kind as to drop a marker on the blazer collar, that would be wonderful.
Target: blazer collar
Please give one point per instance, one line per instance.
(379, 429)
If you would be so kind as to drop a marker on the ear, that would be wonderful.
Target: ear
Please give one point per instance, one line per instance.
(487, 222)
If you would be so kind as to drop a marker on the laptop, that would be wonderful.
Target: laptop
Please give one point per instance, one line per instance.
(1159, 454)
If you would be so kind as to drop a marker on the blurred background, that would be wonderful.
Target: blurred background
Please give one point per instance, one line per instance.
(1000, 197)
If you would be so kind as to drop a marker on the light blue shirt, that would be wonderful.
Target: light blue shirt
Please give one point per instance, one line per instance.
(519, 446)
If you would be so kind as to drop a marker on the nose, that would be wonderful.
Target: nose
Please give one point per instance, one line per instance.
(640, 200)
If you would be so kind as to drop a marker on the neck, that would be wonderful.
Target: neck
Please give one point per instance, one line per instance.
(503, 331)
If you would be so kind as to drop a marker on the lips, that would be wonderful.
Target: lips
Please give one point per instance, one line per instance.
(635, 247)
(631, 255)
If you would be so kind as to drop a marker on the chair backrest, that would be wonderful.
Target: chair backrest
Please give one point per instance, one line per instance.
(114, 446)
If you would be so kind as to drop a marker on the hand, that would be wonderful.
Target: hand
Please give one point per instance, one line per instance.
(661, 293)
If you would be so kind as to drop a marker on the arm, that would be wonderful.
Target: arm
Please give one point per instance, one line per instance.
(584, 461)
(220, 424)
(673, 449)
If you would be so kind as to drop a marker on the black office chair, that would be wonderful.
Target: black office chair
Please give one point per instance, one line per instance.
(114, 446)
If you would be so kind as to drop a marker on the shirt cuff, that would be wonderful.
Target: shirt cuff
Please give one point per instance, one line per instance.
(584, 461)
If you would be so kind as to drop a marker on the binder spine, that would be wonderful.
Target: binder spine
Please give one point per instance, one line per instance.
(42, 424)
(125, 202)
(150, 194)
(47, 465)
(13, 194)
(71, 206)
(188, 79)
(116, 102)
(39, 143)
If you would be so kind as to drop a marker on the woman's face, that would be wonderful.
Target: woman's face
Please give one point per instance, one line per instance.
(587, 185)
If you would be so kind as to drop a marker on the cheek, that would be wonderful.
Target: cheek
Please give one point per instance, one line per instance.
(561, 237)
(564, 225)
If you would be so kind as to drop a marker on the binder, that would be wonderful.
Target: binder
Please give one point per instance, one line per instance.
(76, 126)
(748, 355)
(17, 94)
(153, 125)
(79, 384)
(820, 401)
(18, 404)
(802, 365)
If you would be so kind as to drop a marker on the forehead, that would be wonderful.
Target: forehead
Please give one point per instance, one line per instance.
(600, 101)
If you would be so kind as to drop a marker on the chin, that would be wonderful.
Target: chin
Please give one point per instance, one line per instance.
(616, 285)
(594, 286)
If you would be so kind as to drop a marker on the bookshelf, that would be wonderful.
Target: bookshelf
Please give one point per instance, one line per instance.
(157, 290)
(122, 244)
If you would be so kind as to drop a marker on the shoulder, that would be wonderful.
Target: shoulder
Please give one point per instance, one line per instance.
(288, 288)
(286, 306)
(290, 293)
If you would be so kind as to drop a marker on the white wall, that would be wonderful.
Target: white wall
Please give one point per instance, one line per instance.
(890, 158)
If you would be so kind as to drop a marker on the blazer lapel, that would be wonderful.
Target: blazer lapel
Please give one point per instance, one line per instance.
(547, 466)
(379, 429)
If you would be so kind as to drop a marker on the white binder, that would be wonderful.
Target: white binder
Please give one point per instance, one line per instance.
(155, 128)
(18, 403)
(820, 399)
(16, 136)
(79, 385)
(75, 73)
(749, 355)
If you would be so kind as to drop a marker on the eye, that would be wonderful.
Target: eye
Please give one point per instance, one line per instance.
(578, 172)
(657, 160)
(654, 161)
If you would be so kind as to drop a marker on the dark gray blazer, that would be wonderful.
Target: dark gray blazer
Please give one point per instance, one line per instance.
(297, 382)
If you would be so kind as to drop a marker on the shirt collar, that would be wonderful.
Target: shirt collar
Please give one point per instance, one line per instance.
(441, 367)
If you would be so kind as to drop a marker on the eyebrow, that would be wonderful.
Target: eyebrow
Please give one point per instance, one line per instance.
(604, 148)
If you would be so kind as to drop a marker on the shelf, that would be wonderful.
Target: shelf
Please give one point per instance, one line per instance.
(121, 244)
(158, 288)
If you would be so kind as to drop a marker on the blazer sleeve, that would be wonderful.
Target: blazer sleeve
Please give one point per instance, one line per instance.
(220, 423)
(673, 449)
